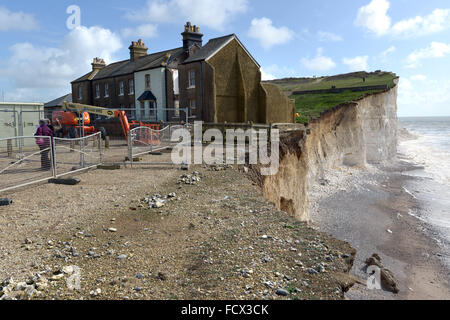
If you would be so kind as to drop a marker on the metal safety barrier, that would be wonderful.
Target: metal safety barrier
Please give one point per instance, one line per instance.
(147, 141)
(25, 160)
(73, 155)
(34, 159)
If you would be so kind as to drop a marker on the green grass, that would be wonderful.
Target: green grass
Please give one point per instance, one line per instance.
(311, 106)
(340, 81)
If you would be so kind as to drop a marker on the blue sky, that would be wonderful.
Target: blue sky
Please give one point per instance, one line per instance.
(39, 55)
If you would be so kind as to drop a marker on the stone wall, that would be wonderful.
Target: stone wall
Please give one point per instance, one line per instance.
(278, 108)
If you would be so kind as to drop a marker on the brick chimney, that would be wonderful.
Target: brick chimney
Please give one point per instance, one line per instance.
(137, 50)
(191, 36)
(98, 64)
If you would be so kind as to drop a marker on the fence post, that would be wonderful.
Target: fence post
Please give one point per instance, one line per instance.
(9, 147)
(170, 136)
(151, 140)
(21, 134)
(107, 142)
(100, 148)
(53, 156)
(82, 162)
(130, 148)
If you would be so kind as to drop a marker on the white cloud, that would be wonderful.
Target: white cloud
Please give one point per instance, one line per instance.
(16, 21)
(46, 71)
(437, 21)
(266, 76)
(267, 34)
(434, 50)
(204, 13)
(431, 97)
(357, 63)
(280, 71)
(387, 52)
(142, 31)
(374, 17)
(328, 36)
(419, 77)
(319, 63)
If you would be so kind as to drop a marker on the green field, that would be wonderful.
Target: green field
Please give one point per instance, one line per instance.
(311, 106)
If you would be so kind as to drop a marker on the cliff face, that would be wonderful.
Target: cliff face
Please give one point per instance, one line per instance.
(353, 134)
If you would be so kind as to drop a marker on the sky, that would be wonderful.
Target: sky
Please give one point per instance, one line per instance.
(44, 46)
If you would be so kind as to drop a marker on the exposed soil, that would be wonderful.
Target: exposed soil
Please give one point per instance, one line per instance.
(216, 239)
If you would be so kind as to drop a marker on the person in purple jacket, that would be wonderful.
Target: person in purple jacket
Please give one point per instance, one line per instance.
(44, 144)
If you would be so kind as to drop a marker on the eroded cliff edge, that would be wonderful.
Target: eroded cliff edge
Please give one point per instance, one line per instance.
(352, 134)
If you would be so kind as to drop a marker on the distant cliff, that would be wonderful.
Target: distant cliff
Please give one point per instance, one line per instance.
(351, 134)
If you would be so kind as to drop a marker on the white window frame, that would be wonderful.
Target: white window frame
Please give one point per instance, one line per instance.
(97, 91)
(148, 84)
(80, 93)
(106, 90)
(177, 108)
(152, 109)
(191, 80)
(121, 88)
(131, 87)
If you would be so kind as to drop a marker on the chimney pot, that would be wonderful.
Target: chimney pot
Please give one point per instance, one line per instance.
(191, 36)
(98, 64)
(137, 50)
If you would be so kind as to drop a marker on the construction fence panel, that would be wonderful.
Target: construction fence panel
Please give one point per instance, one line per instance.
(72, 155)
(146, 143)
(25, 160)
(115, 150)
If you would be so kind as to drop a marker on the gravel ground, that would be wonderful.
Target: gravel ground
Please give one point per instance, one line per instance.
(210, 235)
(370, 209)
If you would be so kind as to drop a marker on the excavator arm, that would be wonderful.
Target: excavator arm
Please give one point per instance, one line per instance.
(90, 109)
(110, 113)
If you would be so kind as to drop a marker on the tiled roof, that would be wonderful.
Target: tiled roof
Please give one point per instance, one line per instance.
(209, 49)
(213, 46)
(58, 102)
(127, 67)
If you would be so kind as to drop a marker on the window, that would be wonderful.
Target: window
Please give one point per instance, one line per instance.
(131, 86)
(97, 91)
(152, 109)
(192, 79)
(147, 82)
(106, 90)
(80, 93)
(142, 110)
(177, 108)
(192, 106)
(121, 88)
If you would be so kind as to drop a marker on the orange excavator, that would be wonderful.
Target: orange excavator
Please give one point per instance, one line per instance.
(75, 120)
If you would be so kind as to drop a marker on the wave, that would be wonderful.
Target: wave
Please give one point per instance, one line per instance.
(404, 135)
(424, 150)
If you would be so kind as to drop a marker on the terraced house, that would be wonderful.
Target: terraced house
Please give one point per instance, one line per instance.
(217, 82)
(143, 84)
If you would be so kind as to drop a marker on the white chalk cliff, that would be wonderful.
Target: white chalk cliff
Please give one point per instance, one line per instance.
(353, 134)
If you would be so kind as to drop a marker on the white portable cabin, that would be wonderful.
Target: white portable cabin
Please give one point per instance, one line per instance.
(20, 119)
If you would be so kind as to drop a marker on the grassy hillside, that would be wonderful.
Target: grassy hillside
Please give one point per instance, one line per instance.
(311, 106)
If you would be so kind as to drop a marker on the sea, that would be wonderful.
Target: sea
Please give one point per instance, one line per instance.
(425, 142)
